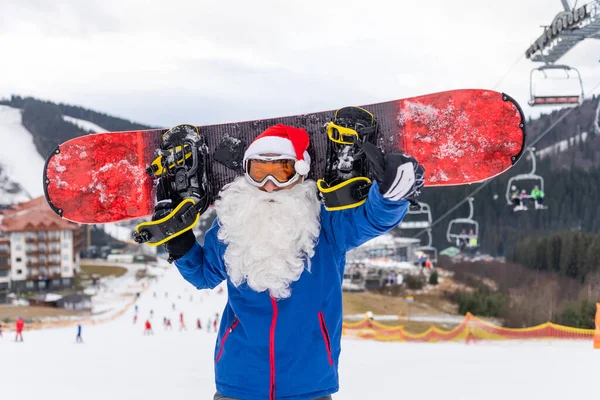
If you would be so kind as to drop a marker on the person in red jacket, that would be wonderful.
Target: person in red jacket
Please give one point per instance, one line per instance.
(148, 328)
(19, 325)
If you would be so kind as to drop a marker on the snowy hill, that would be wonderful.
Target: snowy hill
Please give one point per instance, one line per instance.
(20, 162)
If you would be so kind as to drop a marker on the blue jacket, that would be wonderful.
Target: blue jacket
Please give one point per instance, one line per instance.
(288, 349)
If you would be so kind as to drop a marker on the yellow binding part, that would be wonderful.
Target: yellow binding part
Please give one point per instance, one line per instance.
(160, 221)
(325, 188)
(157, 163)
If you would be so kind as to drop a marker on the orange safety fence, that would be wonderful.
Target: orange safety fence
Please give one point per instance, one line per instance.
(597, 332)
(471, 328)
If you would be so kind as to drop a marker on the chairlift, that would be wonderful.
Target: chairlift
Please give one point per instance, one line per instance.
(423, 221)
(429, 250)
(532, 180)
(571, 99)
(464, 240)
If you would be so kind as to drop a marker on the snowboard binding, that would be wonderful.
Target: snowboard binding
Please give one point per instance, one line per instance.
(347, 177)
(182, 191)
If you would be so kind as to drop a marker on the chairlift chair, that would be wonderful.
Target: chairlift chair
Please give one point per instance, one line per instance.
(571, 99)
(429, 250)
(453, 237)
(529, 177)
(423, 209)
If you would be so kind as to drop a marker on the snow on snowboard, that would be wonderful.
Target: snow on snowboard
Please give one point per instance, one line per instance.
(459, 136)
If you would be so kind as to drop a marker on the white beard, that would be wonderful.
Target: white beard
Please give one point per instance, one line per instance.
(269, 236)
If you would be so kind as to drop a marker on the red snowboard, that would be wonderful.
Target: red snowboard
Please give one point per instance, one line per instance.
(460, 136)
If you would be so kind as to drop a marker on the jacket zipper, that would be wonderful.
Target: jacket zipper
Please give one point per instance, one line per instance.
(272, 348)
(233, 325)
(325, 333)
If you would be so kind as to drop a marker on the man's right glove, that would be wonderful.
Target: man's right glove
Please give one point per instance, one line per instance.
(179, 245)
(399, 176)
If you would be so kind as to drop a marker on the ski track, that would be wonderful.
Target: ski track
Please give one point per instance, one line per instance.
(19, 156)
(118, 362)
(83, 124)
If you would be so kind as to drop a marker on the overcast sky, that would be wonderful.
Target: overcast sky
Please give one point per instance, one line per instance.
(178, 61)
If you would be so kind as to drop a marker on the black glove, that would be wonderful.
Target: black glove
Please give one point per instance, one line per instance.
(399, 176)
(179, 245)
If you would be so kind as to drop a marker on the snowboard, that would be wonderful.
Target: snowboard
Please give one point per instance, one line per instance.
(459, 136)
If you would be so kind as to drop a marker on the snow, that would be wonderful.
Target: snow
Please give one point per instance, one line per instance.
(562, 145)
(117, 361)
(52, 297)
(19, 156)
(86, 125)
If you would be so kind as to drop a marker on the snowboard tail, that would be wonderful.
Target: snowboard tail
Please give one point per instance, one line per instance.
(459, 136)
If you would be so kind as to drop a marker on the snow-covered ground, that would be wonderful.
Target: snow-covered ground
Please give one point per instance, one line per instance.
(118, 362)
(18, 155)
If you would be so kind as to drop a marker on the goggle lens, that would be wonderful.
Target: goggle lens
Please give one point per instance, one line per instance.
(281, 170)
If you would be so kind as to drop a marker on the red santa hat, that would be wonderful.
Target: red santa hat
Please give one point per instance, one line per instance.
(283, 140)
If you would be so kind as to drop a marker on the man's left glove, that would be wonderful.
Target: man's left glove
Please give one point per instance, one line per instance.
(400, 176)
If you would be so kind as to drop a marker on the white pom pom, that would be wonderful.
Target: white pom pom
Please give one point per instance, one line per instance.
(302, 167)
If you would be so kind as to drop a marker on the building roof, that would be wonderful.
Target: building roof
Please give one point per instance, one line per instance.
(33, 215)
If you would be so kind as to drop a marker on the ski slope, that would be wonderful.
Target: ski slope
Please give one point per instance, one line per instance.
(18, 155)
(85, 125)
(118, 362)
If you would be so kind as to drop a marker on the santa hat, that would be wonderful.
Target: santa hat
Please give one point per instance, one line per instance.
(283, 140)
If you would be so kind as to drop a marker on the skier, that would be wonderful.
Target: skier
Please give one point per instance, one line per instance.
(79, 338)
(168, 324)
(472, 239)
(20, 324)
(462, 239)
(173, 306)
(283, 256)
(198, 324)
(515, 198)
(538, 197)
(134, 319)
(148, 328)
(523, 198)
(181, 323)
(0, 329)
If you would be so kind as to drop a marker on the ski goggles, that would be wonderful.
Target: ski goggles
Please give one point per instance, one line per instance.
(277, 169)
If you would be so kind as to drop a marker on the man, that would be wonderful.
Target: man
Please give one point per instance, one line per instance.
(283, 256)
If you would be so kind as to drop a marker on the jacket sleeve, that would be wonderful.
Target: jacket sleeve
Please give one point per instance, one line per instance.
(352, 227)
(203, 266)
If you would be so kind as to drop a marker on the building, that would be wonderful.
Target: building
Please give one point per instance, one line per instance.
(397, 249)
(38, 249)
(374, 263)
